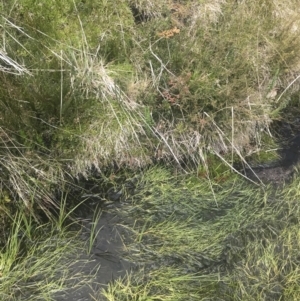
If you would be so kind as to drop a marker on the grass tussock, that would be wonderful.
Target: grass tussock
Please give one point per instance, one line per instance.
(228, 106)
(236, 86)
(184, 80)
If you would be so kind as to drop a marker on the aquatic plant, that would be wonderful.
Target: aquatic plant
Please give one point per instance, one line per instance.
(38, 262)
(189, 247)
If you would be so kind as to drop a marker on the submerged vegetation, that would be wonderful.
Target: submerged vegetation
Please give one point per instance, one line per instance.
(39, 262)
(239, 244)
(179, 93)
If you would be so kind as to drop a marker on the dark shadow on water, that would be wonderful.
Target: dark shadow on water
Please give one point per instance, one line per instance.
(280, 171)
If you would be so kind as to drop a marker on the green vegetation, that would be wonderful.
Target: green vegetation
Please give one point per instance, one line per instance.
(178, 93)
(38, 261)
(240, 243)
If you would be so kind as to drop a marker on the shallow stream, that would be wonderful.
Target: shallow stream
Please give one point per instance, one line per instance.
(106, 260)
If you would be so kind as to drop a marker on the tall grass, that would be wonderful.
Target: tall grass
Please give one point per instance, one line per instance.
(191, 79)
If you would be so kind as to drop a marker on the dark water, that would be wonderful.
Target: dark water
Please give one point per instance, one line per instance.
(281, 170)
(105, 262)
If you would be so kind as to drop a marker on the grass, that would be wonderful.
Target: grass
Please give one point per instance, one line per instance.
(166, 81)
(38, 261)
(188, 248)
(129, 92)
(196, 84)
(94, 233)
(163, 284)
